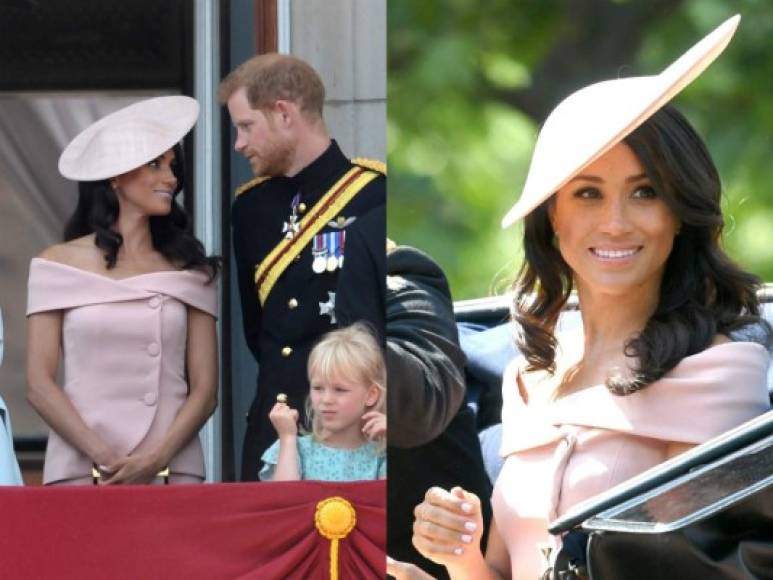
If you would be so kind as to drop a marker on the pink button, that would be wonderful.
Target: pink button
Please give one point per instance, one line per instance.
(154, 302)
(150, 399)
(154, 349)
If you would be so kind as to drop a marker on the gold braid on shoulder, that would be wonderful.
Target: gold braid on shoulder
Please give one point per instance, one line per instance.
(250, 184)
(372, 164)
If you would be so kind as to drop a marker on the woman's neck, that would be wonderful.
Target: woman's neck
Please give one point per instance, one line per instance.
(614, 319)
(135, 232)
(609, 322)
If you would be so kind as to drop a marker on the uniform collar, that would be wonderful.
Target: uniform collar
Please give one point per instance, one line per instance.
(320, 172)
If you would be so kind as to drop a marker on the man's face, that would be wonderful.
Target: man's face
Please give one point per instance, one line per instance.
(259, 137)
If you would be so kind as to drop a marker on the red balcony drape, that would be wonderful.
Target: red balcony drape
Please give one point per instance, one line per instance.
(212, 532)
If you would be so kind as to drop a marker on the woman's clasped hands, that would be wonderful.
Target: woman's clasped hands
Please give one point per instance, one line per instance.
(137, 468)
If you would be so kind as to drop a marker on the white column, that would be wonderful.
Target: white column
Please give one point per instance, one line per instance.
(283, 26)
(207, 178)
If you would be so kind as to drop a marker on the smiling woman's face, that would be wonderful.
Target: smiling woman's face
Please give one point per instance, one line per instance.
(613, 229)
(149, 188)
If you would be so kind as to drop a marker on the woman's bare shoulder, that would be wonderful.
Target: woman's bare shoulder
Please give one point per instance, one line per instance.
(80, 253)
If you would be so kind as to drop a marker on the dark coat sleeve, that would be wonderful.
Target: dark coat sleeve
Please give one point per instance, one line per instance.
(424, 360)
(245, 271)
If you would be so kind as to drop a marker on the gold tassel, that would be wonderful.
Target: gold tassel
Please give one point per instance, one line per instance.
(334, 518)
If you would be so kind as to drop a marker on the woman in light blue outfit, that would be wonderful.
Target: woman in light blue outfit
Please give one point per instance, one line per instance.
(9, 468)
(346, 409)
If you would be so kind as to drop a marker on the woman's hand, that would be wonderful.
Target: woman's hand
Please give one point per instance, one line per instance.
(406, 571)
(105, 457)
(132, 469)
(375, 425)
(448, 527)
(284, 419)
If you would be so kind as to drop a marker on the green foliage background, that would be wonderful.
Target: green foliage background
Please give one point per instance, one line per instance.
(460, 137)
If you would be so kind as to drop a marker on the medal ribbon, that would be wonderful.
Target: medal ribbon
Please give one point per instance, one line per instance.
(333, 245)
(318, 245)
(336, 198)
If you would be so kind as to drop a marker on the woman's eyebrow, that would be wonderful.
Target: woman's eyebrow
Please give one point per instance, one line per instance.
(597, 179)
(592, 178)
(637, 177)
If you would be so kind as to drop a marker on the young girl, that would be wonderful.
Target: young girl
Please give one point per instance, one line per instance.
(346, 411)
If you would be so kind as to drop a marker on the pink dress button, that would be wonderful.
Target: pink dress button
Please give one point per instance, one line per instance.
(154, 349)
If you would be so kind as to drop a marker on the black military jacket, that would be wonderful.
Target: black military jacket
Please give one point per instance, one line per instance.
(282, 332)
(432, 438)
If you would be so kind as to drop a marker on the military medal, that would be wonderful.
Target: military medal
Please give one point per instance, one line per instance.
(342, 246)
(332, 261)
(291, 227)
(328, 308)
(319, 251)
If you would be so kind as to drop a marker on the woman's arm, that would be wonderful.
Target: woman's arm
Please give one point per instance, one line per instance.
(448, 530)
(495, 565)
(44, 332)
(201, 358)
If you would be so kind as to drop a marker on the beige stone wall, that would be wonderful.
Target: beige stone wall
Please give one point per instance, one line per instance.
(345, 40)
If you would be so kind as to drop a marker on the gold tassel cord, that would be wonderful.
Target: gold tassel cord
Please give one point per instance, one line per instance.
(334, 518)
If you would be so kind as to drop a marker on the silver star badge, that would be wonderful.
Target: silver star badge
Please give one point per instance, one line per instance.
(290, 229)
(328, 308)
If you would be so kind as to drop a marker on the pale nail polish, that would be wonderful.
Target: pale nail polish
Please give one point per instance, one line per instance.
(470, 526)
(466, 538)
(466, 507)
(458, 551)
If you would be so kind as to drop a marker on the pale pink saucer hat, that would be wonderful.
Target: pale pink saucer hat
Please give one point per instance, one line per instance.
(592, 120)
(128, 138)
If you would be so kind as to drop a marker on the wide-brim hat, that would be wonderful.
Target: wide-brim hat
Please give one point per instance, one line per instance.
(592, 120)
(128, 138)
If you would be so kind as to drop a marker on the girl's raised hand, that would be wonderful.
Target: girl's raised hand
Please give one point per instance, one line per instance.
(374, 425)
(284, 419)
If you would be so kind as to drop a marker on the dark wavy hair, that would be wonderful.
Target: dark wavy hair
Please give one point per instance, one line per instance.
(97, 212)
(702, 293)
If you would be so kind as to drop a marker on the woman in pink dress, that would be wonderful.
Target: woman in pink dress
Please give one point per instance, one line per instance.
(621, 204)
(129, 301)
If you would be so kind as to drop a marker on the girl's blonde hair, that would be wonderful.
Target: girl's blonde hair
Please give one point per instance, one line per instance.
(353, 352)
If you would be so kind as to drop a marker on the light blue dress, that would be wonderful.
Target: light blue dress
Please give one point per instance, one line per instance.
(9, 468)
(323, 463)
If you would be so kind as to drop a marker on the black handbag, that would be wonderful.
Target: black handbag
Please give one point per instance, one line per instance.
(570, 563)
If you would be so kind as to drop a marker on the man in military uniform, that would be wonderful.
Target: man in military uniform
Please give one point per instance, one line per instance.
(289, 226)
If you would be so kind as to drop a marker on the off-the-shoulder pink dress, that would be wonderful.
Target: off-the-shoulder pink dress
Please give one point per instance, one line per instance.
(561, 452)
(123, 344)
